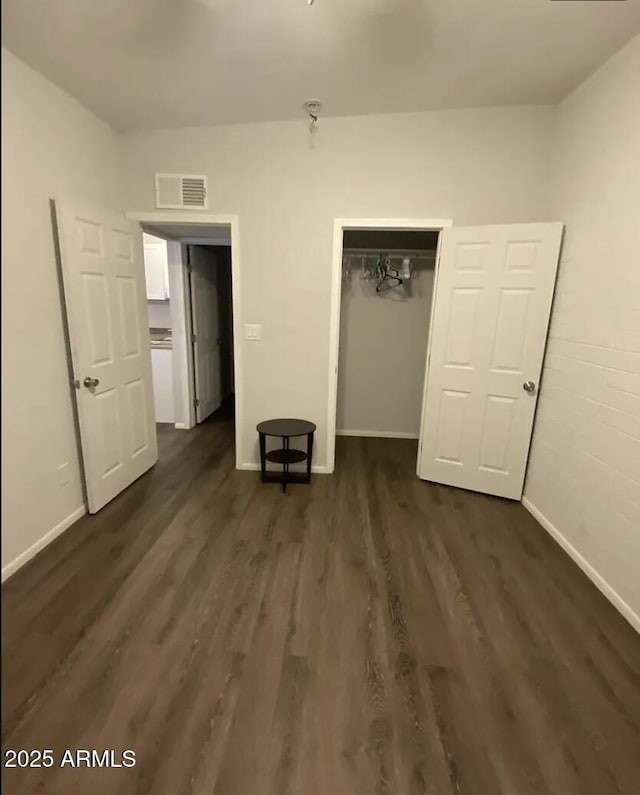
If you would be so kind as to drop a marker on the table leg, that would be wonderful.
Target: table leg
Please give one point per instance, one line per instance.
(263, 458)
(285, 469)
(309, 454)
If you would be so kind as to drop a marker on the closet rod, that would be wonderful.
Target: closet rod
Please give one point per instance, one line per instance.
(394, 254)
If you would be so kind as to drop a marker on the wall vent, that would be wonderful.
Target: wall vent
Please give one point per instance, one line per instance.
(181, 192)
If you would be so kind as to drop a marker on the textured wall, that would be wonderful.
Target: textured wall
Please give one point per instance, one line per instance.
(584, 470)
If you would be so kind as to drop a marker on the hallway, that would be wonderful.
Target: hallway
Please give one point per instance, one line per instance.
(371, 633)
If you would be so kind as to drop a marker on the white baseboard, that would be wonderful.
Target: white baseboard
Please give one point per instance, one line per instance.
(181, 426)
(612, 595)
(379, 434)
(41, 543)
(252, 467)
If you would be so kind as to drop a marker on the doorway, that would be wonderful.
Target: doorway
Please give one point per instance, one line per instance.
(383, 280)
(201, 319)
(201, 246)
(387, 291)
(490, 311)
(211, 322)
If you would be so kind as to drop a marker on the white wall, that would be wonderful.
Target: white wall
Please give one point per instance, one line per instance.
(52, 147)
(475, 166)
(159, 314)
(383, 349)
(584, 472)
(163, 384)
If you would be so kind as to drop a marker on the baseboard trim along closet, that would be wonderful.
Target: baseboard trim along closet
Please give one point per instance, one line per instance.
(612, 595)
(379, 434)
(41, 543)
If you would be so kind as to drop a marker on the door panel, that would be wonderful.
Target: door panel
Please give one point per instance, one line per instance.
(206, 329)
(453, 407)
(129, 320)
(103, 274)
(139, 425)
(490, 317)
(496, 433)
(462, 327)
(511, 330)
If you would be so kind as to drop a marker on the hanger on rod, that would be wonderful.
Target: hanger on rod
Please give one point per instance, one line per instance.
(389, 276)
(385, 274)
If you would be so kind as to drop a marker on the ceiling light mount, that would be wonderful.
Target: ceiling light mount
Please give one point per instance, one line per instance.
(312, 108)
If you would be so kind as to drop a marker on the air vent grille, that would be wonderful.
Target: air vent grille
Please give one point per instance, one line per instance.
(194, 192)
(181, 191)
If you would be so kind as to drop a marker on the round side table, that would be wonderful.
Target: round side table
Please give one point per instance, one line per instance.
(285, 429)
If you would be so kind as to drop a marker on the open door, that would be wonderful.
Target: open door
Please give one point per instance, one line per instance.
(490, 317)
(206, 332)
(105, 298)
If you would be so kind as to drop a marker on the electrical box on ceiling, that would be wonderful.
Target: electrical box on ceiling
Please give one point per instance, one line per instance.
(181, 192)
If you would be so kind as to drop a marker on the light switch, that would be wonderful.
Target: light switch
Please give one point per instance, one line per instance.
(252, 331)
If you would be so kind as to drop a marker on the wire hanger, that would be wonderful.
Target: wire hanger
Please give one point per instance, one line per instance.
(389, 277)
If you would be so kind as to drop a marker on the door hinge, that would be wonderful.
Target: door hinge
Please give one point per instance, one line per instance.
(196, 402)
(194, 338)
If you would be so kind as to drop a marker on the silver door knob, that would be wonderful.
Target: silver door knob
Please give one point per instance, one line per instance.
(529, 386)
(91, 383)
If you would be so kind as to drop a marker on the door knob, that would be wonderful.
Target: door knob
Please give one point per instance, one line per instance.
(529, 386)
(90, 383)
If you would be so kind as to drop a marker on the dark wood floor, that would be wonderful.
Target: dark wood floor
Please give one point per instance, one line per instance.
(369, 633)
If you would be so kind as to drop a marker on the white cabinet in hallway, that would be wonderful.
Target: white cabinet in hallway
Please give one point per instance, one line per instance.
(162, 364)
(156, 268)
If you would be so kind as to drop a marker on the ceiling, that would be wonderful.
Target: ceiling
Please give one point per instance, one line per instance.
(145, 64)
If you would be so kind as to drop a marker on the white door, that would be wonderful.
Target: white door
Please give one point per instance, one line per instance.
(206, 332)
(488, 333)
(105, 297)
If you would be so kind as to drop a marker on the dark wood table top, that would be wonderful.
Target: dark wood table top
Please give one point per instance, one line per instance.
(286, 427)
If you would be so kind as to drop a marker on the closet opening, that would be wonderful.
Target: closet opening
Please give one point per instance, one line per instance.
(385, 287)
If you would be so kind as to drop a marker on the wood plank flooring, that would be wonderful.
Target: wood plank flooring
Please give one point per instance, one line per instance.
(369, 633)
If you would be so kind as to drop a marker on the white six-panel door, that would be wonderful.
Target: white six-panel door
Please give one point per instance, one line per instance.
(206, 329)
(105, 297)
(489, 327)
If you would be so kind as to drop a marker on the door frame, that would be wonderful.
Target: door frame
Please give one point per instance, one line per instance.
(197, 219)
(340, 225)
